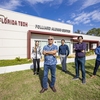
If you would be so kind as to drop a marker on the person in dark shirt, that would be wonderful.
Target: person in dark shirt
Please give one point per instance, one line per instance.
(97, 62)
(80, 48)
(63, 53)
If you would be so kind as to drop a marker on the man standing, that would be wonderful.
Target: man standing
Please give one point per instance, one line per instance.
(97, 62)
(63, 53)
(49, 52)
(80, 48)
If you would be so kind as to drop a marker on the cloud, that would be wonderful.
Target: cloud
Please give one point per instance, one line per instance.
(85, 18)
(52, 2)
(38, 10)
(88, 3)
(11, 4)
(72, 1)
(38, 1)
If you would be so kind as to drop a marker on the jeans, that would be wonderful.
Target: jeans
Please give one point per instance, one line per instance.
(38, 65)
(45, 77)
(63, 63)
(80, 62)
(97, 63)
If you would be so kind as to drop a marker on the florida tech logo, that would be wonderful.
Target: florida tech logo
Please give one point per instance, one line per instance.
(6, 20)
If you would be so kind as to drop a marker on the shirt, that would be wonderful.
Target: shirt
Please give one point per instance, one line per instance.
(78, 48)
(50, 59)
(63, 50)
(97, 52)
(36, 54)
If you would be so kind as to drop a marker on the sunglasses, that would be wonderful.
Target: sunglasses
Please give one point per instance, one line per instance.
(50, 39)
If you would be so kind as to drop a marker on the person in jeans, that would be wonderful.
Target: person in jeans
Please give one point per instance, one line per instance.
(49, 52)
(97, 62)
(80, 48)
(63, 53)
(36, 56)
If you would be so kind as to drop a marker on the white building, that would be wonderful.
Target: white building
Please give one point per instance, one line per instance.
(18, 32)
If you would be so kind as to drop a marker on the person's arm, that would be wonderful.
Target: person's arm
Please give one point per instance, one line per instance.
(59, 51)
(74, 47)
(53, 52)
(81, 49)
(97, 51)
(67, 50)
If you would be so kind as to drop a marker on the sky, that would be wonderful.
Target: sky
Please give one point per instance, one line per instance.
(82, 14)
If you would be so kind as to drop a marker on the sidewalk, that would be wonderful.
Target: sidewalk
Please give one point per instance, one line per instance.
(30, 65)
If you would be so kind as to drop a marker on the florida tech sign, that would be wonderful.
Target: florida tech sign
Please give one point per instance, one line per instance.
(5, 20)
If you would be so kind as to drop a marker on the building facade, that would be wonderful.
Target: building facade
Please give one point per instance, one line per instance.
(18, 33)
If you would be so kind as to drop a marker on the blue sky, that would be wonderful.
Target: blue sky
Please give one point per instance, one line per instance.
(82, 14)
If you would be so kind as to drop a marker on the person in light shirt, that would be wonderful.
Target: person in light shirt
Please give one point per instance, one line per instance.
(36, 56)
(50, 61)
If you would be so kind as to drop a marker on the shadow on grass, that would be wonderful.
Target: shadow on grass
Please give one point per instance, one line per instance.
(41, 72)
(68, 72)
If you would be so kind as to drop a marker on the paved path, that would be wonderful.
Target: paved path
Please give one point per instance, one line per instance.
(30, 65)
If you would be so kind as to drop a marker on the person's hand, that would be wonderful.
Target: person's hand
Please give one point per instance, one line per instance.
(74, 48)
(83, 50)
(45, 52)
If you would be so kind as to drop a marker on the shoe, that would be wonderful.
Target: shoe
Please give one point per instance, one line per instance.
(37, 73)
(65, 72)
(34, 73)
(93, 76)
(83, 81)
(43, 90)
(53, 89)
(75, 78)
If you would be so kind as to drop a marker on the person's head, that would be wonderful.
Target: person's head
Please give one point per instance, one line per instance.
(36, 43)
(50, 40)
(62, 41)
(80, 39)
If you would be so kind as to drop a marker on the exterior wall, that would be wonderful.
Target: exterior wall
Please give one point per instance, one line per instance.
(13, 38)
(13, 33)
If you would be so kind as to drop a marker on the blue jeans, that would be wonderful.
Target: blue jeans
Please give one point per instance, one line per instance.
(63, 63)
(45, 77)
(80, 62)
(97, 63)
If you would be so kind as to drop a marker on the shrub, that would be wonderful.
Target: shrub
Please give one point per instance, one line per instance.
(91, 52)
(17, 59)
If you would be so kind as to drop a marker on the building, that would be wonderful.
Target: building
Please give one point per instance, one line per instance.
(18, 32)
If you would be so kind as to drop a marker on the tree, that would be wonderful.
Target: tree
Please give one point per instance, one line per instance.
(79, 32)
(94, 32)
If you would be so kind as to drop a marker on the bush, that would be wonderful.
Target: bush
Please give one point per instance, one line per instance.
(91, 52)
(17, 59)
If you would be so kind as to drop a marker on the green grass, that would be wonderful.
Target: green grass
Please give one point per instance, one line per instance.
(14, 62)
(23, 85)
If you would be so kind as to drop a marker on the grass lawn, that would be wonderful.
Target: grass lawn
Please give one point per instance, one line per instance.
(23, 85)
(5, 63)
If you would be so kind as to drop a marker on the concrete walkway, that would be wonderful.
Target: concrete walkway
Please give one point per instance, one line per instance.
(30, 65)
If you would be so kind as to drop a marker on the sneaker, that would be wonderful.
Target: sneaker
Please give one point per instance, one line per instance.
(63, 71)
(75, 78)
(34, 73)
(93, 76)
(83, 81)
(66, 72)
